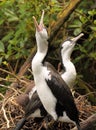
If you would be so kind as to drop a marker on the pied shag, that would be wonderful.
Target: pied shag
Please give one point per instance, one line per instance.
(53, 92)
(35, 107)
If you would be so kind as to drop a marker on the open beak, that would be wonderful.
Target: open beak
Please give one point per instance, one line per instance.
(39, 26)
(78, 37)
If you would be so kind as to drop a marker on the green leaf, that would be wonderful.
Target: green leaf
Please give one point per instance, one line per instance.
(93, 28)
(1, 60)
(1, 21)
(94, 21)
(2, 48)
(82, 49)
(13, 19)
(11, 15)
(93, 55)
(92, 12)
(79, 58)
(77, 31)
(5, 63)
(8, 36)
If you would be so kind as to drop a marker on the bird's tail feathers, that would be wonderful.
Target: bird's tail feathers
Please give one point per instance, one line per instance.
(78, 126)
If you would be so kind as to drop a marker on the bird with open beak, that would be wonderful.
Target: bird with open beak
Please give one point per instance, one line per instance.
(52, 90)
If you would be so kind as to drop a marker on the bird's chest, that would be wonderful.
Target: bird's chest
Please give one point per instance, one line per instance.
(36, 68)
(69, 75)
(69, 78)
(40, 80)
(41, 84)
(45, 94)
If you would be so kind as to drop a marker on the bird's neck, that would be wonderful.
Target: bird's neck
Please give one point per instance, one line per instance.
(38, 59)
(70, 72)
(66, 56)
(69, 66)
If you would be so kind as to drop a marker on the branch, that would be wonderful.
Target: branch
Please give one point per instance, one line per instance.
(10, 73)
(88, 124)
(62, 17)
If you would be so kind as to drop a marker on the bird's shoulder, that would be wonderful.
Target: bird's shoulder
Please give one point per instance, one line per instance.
(57, 84)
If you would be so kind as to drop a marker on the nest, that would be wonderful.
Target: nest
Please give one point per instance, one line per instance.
(11, 113)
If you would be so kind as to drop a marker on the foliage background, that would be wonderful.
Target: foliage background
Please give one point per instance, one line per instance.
(17, 36)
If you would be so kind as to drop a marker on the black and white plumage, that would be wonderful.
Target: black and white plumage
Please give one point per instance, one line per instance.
(69, 75)
(53, 92)
(35, 108)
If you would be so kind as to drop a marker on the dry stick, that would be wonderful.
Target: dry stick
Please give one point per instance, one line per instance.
(5, 116)
(10, 73)
(4, 102)
(2, 95)
(88, 124)
(9, 80)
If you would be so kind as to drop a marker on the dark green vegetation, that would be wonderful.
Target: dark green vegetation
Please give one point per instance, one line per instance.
(17, 37)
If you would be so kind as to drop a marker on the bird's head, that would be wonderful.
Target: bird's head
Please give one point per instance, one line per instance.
(41, 32)
(68, 45)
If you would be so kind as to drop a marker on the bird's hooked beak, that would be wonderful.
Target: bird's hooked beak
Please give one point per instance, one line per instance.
(76, 38)
(39, 26)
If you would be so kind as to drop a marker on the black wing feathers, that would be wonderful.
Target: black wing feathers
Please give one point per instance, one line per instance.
(57, 80)
(62, 93)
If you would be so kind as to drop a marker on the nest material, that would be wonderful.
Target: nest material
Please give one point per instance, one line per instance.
(11, 113)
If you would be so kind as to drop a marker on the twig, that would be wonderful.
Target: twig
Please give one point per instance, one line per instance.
(83, 96)
(9, 80)
(11, 118)
(10, 73)
(2, 95)
(5, 116)
(9, 88)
